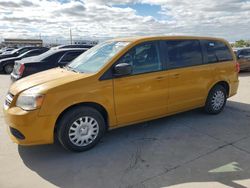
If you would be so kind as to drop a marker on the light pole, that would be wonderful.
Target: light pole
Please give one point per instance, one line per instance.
(70, 35)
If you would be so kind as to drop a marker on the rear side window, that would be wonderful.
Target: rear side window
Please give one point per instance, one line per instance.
(31, 53)
(217, 52)
(54, 58)
(23, 50)
(184, 53)
(245, 52)
(35, 52)
(69, 56)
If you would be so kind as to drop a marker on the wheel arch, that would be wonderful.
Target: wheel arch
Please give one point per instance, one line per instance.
(94, 105)
(224, 84)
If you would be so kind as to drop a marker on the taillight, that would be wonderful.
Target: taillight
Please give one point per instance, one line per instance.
(237, 66)
(21, 69)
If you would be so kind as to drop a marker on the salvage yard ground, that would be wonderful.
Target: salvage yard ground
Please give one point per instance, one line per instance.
(191, 149)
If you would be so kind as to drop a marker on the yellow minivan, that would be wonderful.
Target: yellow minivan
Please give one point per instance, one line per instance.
(118, 83)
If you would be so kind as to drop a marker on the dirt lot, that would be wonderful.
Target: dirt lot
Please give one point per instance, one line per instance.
(191, 149)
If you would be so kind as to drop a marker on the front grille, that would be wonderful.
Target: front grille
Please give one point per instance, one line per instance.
(8, 100)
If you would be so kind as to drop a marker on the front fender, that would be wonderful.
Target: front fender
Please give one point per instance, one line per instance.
(55, 103)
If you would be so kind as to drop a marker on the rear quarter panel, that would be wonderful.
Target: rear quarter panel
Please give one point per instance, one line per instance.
(226, 71)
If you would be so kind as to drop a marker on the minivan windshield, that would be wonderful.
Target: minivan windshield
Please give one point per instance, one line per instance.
(95, 58)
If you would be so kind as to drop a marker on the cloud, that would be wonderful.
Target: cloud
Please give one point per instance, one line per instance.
(104, 19)
(16, 4)
(71, 9)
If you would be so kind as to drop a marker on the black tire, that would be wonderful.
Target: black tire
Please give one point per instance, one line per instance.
(210, 106)
(66, 123)
(8, 68)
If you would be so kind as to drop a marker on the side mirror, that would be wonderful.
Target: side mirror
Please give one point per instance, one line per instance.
(122, 69)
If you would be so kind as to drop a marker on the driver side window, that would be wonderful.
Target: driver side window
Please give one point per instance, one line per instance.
(143, 58)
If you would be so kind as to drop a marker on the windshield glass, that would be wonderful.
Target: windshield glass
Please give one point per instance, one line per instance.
(95, 58)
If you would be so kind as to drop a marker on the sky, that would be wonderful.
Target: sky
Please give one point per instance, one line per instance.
(105, 19)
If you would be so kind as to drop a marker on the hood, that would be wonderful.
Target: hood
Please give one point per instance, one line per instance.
(58, 76)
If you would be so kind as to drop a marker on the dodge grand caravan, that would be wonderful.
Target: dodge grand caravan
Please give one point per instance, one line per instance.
(118, 83)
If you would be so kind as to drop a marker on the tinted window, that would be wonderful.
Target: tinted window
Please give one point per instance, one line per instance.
(69, 56)
(245, 52)
(143, 58)
(23, 50)
(183, 53)
(35, 52)
(55, 57)
(31, 53)
(217, 52)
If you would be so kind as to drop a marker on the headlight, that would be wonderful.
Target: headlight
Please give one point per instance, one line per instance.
(29, 101)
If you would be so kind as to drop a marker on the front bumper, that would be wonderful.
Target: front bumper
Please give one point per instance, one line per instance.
(35, 129)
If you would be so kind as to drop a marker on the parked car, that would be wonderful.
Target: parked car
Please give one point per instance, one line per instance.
(243, 56)
(4, 50)
(7, 64)
(45, 61)
(18, 52)
(73, 46)
(121, 82)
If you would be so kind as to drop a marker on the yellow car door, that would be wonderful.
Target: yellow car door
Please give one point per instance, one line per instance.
(142, 94)
(189, 78)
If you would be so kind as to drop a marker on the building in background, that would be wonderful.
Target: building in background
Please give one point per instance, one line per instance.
(22, 42)
(87, 42)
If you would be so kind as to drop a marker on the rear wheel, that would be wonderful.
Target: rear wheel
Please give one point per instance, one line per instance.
(8, 68)
(216, 100)
(81, 128)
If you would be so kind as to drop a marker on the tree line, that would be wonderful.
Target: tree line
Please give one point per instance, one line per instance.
(241, 43)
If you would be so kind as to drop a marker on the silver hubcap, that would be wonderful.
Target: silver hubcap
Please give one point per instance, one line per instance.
(83, 131)
(218, 100)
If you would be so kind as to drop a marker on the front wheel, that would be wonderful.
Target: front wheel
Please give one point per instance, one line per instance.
(80, 129)
(216, 100)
